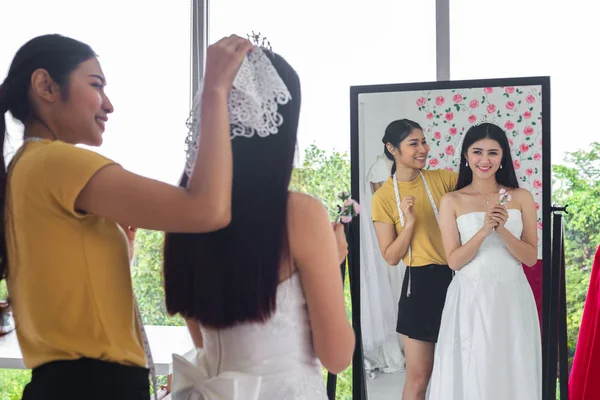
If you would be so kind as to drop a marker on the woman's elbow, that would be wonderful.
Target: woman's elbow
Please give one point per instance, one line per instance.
(391, 261)
(339, 367)
(218, 218)
(337, 363)
(338, 358)
(453, 265)
(531, 261)
(223, 218)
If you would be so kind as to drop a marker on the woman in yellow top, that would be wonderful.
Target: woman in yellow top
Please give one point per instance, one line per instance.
(405, 211)
(62, 249)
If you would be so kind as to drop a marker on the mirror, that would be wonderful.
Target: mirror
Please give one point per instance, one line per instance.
(445, 111)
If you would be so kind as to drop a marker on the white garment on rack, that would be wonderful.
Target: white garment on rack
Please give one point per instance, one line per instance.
(380, 286)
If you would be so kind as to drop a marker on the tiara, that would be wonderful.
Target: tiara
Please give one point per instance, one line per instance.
(486, 119)
(259, 40)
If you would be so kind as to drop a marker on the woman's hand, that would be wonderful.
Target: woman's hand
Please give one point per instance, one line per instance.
(499, 214)
(223, 60)
(340, 238)
(407, 205)
(489, 223)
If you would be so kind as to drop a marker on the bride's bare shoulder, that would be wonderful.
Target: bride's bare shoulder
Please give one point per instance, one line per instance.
(456, 195)
(302, 199)
(304, 205)
(449, 200)
(452, 199)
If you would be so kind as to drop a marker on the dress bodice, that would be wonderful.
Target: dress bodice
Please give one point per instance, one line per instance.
(279, 350)
(492, 262)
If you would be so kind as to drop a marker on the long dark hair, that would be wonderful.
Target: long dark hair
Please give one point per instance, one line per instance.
(395, 133)
(505, 176)
(231, 276)
(59, 56)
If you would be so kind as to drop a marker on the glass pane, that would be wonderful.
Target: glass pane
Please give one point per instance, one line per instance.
(144, 51)
(531, 38)
(333, 45)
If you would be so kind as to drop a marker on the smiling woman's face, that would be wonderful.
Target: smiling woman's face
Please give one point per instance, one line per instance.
(413, 150)
(484, 157)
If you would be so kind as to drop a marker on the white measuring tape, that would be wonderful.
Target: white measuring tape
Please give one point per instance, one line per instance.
(435, 211)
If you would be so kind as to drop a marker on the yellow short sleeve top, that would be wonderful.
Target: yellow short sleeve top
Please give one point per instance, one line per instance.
(426, 243)
(68, 275)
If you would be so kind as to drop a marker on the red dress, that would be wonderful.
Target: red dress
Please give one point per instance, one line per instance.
(534, 276)
(584, 382)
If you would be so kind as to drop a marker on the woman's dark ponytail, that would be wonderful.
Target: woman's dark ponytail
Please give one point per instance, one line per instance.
(59, 56)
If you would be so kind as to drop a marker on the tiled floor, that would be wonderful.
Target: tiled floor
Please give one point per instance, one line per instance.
(386, 386)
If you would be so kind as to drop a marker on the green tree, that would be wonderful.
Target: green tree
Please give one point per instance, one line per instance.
(577, 183)
(323, 175)
(148, 282)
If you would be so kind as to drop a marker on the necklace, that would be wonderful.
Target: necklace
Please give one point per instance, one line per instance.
(487, 199)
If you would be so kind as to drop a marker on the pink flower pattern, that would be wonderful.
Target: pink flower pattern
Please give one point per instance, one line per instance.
(448, 114)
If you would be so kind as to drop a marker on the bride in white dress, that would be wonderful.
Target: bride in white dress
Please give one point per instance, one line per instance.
(489, 346)
(263, 297)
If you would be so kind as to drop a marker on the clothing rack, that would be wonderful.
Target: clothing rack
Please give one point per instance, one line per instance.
(555, 348)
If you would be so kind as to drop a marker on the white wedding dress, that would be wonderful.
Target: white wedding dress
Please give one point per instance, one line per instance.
(274, 360)
(489, 346)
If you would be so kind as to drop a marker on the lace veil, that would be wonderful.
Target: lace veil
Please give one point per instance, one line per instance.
(253, 103)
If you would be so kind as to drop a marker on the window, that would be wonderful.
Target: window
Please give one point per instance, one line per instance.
(333, 45)
(144, 51)
(533, 38)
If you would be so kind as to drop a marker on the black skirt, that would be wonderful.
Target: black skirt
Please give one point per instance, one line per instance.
(420, 313)
(87, 379)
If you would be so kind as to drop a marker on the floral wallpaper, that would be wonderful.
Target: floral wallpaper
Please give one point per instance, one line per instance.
(446, 115)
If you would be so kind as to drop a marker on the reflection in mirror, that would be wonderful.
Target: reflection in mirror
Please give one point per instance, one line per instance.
(451, 183)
